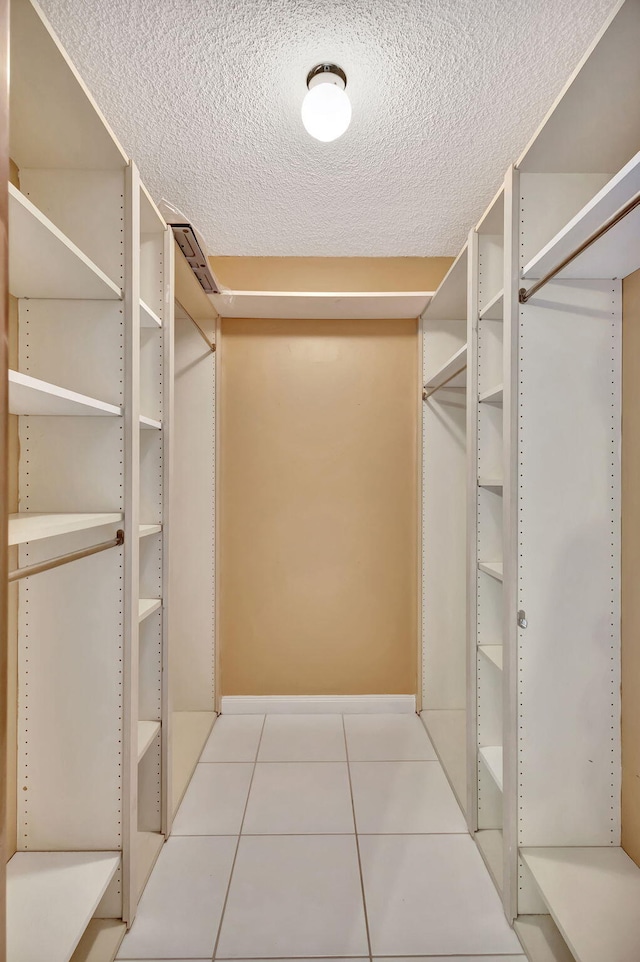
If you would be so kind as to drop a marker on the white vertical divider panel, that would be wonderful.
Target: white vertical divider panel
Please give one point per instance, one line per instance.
(510, 542)
(473, 470)
(192, 540)
(443, 609)
(569, 546)
(132, 546)
(168, 378)
(569, 414)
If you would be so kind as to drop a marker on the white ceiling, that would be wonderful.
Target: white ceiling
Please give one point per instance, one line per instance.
(206, 95)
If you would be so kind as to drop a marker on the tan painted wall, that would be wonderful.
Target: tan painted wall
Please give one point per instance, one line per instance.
(318, 503)
(330, 273)
(631, 567)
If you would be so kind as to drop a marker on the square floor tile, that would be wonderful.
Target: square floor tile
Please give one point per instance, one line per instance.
(404, 797)
(294, 895)
(302, 738)
(215, 800)
(289, 798)
(387, 738)
(431, 895)
(180, 909)
(234, 738)
(453, 958)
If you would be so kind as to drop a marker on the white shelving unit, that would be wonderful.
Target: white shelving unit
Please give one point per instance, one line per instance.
(91, 267)
(485, 500)
(443, 417)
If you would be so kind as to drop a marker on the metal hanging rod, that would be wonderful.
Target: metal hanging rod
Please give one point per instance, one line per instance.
(426, 393)
(64, 559)
(204, 337)
(525, 294)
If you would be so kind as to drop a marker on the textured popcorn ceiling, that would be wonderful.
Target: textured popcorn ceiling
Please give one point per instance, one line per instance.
(206, 95)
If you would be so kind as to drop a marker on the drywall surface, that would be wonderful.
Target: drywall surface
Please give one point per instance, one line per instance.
(318, 502)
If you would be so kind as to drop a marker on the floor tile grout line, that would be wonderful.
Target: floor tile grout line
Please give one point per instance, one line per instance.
(355, 825)
(235, 856)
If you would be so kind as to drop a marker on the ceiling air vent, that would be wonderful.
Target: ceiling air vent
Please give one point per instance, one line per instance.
(188, 243)
(192, 245)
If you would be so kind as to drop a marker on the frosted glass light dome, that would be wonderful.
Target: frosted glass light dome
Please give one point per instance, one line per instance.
(326, 108)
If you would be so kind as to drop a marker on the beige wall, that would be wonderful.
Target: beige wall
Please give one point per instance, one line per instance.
(631, 567)
(360, 274)
(318, 502)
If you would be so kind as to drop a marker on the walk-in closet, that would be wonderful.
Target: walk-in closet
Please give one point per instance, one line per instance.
(319, 612)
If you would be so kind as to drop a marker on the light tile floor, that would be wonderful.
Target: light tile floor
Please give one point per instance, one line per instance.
(320, 836)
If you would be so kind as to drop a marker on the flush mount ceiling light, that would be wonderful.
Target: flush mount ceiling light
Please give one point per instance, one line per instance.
(326, 109)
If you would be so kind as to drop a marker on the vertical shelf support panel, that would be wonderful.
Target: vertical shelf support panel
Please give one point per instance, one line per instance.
(510, 536)
(473, 469)
(168, 378)
(132, 549)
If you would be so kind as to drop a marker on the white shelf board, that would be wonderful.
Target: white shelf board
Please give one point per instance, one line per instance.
(149, 424)
(491, 846)
(616, 253)
(43, 263)
(492, 568)
(30, 395)
(34, 526)
(492, 757)
(147, 731)
(449, 303)
(492, 653)
(494, 396)
(101, 941)
(148, 847)
(541, 939)
(189, 733)
(495, 483)
(494, 309)
(447, 729)
(593, 895)
(147, 606)
(51, 897)
(321, 305)
(148, 318)
(455, 362)
(146, 529)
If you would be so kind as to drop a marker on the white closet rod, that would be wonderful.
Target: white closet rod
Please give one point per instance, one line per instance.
(64, 559)
(524, 294)
(427, 394)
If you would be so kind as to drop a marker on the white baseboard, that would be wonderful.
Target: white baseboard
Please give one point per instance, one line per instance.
(318, 704)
